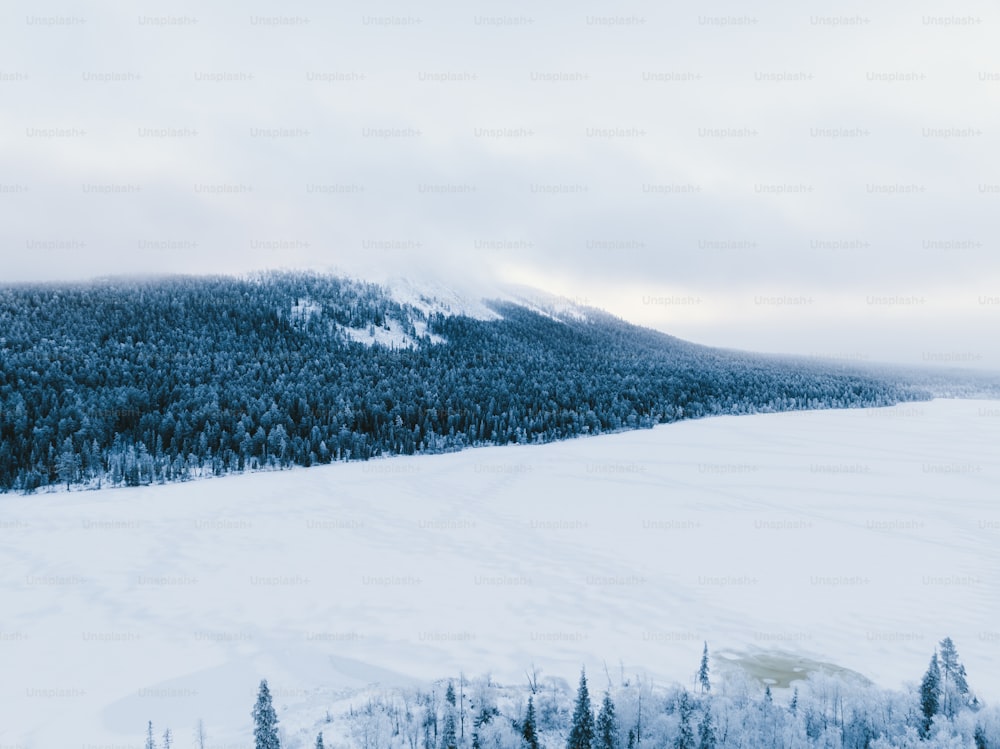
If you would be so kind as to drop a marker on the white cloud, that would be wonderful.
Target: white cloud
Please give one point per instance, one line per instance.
(598, 150)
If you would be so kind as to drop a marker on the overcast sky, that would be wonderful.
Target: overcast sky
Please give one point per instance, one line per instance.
(816, 178)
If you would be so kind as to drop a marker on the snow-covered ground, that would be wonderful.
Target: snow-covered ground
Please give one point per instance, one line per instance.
(857, 538)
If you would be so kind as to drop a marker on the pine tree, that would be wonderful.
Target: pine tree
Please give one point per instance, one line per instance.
(685, 734)
(150, 741)
(449, 694)
(768, 697)
(265, 720)
(930, 695)
(448, 737)
(707, 738)
(607, 725)
(581, 734)
(68, 463)
(954, 687)
(793, 706)
(529, 731)
(199, 734)
(168, 739)
(319, 741)
(706, 686)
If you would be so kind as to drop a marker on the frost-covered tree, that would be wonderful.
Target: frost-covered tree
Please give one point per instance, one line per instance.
(529, 731)
(319, 740)
(265, 720)
(930, 695)
(707, 738)
(199, 734)
(607, 725)
(954, 687)
(685, 731)
(168, 739)
(449, 738)
(581, 732)
(150, 741)
(703, 671)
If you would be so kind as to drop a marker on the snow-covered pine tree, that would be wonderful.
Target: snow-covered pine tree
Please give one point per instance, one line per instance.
(930, 695)
(265, 720)
(954, 687)
(607, 725)
(707, 738)
(581, 732)
(150, 741)
(685, 733)
(168, 739)
(529, 729)
(706, 686)
(319, 740)
(449, 740)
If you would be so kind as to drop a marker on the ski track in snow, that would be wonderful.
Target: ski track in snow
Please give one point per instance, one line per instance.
(635, 546)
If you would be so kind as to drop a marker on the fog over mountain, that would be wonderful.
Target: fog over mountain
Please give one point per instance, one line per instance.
(817, 180)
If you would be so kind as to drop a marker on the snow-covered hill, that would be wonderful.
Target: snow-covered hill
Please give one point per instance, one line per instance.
(857, 538)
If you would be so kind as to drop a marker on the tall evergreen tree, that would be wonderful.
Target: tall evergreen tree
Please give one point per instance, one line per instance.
(449, 740)
(707, 738)
(954, 687)
(581, 733)
(168, 739)
(607, 725)
(319, 741)
(529, 729)
(150, 741)
(265, 720)
(930, 695)
(706, 686)
(685, 732)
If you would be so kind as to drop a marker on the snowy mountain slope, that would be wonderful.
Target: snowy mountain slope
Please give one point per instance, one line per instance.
(857, 538)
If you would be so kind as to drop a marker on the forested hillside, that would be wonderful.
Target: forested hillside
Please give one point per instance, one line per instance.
(138, 381)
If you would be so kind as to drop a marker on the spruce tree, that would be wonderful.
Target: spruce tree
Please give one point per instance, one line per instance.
(150, 741)
(529, 731)
(319, 741)
(265, 720)
(930, 695)
(448, 737)
(607, 725)
(449, 694)
(685, 733)
(168, 739)
(706, 686)
(581, 733)
(707, 738)
(954, 687)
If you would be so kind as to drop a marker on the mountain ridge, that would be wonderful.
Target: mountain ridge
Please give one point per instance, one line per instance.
(138, 381)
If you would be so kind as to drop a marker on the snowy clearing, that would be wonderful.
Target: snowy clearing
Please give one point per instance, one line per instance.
(855, 538)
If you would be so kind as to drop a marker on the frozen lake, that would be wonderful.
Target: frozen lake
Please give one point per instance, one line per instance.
(854, 538)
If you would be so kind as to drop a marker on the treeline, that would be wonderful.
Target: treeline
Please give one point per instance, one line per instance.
(130, 382)
(826, 711)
